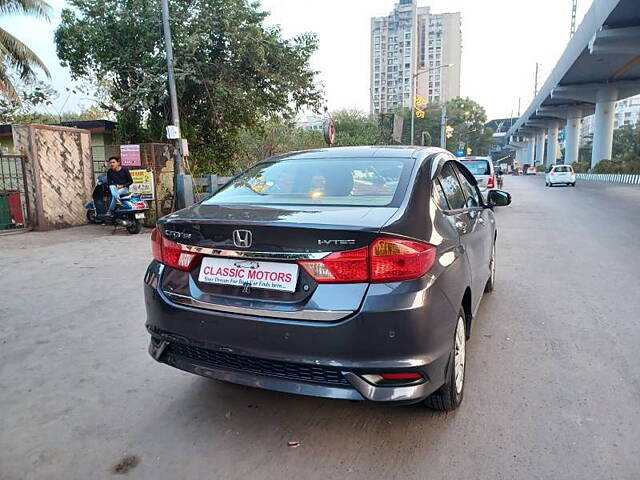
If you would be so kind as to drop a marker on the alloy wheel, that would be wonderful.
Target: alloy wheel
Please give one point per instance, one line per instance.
(492, 264)
(459, 354)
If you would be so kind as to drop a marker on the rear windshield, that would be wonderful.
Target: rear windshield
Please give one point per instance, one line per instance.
(339, 181)
(562, 169)
(477, 167)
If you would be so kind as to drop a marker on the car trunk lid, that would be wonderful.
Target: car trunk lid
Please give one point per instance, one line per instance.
(268, 239)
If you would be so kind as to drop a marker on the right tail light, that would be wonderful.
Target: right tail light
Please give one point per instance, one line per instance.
(393, 260)
(385, 260)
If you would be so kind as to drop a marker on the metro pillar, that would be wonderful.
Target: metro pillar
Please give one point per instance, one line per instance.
(572, 140)
(540, 138)
(606, 99)
(552, 144)
(530, 150)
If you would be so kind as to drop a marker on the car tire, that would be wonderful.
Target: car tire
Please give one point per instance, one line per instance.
(449, 396)
(573, 184)
(492, 271)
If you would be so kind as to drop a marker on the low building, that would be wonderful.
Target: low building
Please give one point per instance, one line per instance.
(101, 135)
(311, 122)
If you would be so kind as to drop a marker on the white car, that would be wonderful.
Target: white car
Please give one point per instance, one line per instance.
(563, 174)
(484, 172)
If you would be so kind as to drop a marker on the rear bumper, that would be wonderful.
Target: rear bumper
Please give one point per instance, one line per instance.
(311, 358)
(561, 180)
(345, 385)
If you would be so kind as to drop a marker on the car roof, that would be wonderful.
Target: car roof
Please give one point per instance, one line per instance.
(385, 151)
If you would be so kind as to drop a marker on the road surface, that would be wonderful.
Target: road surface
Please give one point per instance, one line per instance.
(553, 379)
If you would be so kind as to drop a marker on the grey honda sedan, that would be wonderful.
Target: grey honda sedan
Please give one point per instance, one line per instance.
(351, 273)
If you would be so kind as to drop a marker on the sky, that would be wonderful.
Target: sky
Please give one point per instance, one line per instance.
(502, 41)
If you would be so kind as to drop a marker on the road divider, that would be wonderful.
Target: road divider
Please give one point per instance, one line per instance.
(610, 178)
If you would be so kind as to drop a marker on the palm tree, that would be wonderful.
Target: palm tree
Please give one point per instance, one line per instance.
(15, 55)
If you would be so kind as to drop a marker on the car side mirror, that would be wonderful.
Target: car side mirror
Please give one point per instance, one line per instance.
(498, 198)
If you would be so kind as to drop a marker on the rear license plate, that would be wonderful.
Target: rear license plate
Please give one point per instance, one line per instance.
(139, 215)
(257, 274)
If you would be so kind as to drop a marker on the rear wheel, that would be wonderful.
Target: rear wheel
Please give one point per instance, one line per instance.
(492, 271)
(449, 396)
(91, 217)
(135, 227)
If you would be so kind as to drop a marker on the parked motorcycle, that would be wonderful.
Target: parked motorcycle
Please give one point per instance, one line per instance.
(129, 212)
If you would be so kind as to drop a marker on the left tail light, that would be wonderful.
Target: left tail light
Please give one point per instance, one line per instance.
(491, 183)
(171, 253)
(141, 205)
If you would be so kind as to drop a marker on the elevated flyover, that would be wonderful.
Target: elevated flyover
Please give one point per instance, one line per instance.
(600, 66)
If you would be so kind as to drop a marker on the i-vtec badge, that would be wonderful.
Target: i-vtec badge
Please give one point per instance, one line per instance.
(176, 235)
(336, 242)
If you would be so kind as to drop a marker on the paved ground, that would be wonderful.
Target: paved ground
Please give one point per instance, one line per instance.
(553, 386)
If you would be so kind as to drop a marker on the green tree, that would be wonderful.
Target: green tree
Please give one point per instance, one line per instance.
(274, 136)
(354, 127)
(626, 141)
(430, 125)
(232, 72)
(15, 56)
(33, 95)
(468, 118)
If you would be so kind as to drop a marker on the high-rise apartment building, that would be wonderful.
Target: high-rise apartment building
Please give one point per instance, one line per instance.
(627, 113)
(409, 41)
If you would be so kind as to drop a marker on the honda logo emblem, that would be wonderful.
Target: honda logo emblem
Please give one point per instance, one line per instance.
(242, 238)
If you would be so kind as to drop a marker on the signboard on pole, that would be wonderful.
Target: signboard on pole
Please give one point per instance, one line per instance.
(398, 123)
(329, 132)
(420, 106)
(130, 155)
(143, 185)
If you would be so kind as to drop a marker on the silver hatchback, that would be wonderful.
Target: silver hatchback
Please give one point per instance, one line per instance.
(484, 173)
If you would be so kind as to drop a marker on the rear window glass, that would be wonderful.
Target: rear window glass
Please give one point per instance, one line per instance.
(562, 169)
(438, 196)
(340, 181)
(477, 167)
(451, 187)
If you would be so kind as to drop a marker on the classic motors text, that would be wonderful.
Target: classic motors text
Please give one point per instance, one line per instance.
(241, 273)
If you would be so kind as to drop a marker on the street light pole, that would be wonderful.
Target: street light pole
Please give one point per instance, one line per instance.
(413, 97)
(413, 104)
(443, 112)
(178, 166)
(443, 125)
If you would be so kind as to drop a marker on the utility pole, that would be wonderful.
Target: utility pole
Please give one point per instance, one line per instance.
(413, 106)
(443, 125)
(535, 88)
(574, 12)
(519, 106)
(414, 91)
(178, 167)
